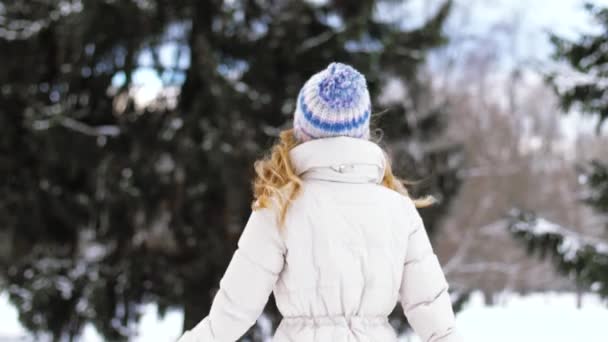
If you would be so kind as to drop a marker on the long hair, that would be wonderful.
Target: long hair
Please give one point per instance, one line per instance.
(276, 179)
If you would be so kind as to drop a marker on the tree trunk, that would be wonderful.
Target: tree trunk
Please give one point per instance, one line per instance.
(196, 307)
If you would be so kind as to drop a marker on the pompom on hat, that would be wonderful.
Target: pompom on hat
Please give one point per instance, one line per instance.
(333, 102)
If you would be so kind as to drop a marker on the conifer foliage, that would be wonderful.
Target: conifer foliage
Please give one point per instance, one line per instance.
(585, 89)
(109, 200)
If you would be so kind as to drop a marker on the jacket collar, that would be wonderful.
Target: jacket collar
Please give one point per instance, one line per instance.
(340, 159)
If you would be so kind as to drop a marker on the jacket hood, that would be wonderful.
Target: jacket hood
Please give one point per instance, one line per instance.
(339, 159)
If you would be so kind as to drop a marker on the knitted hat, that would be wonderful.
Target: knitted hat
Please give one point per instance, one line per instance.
(333, 102)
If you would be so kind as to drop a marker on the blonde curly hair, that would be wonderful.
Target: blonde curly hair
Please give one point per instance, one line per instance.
(276, 179)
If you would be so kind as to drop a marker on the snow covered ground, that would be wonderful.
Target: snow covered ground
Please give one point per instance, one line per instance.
(542, 317)
(537, 317)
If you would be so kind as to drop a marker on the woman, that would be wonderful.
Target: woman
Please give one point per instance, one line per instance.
(333, 234)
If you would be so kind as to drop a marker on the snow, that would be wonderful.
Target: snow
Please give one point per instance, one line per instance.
(10, 330)
(315, 41)
(572, 241)
(24, 29)
(151, 328)
(536, 317)
(531, 318)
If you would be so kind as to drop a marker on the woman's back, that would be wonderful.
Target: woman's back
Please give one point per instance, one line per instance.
(335, 245)
(346, 238)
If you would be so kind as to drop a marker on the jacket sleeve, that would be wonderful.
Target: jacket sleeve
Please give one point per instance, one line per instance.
(247, 283)
(424, 290)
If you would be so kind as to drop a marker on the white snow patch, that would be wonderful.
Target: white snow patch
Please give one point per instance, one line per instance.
(536, 317)
(572, 241)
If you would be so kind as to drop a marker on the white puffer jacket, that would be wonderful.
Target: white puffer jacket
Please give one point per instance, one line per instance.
(349, 250)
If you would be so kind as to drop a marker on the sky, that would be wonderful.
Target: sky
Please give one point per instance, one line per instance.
(532, 20)
(528, 47)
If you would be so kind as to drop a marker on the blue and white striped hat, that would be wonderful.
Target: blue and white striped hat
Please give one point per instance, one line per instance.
(333, 102)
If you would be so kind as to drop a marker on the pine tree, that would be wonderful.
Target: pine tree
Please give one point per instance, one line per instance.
(108, 204)
(583, 258)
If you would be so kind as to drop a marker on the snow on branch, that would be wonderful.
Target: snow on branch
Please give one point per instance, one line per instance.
(567, 77)
(575, 254)
(570, 242)
(21, 29)
(77, 126)
(107, 130)
(315, 41)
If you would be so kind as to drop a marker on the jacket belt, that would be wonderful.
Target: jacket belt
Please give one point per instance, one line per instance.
(335, 320)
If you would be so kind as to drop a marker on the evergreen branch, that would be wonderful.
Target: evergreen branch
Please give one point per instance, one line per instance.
(585, 258)
(80, 127)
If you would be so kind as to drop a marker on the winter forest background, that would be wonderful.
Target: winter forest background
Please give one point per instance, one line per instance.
(128, 129)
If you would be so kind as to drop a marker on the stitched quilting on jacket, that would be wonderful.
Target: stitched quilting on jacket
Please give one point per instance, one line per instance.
(349, 251)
